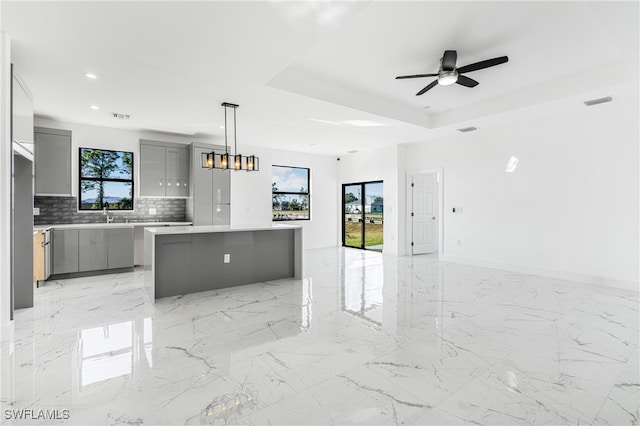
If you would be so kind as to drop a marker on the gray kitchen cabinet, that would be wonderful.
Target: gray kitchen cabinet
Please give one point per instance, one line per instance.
(93, 249)
(221, 186)
(177, 172)
(152, 174)
(210, 198)
(120, 248)
(65, 251)
(164, 169)
(52, 161)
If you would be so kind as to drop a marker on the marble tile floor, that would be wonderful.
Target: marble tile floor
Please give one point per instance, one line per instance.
(363, 339)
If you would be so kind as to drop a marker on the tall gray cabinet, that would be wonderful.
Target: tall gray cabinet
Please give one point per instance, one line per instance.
(164, 169)
(52, 161)
(209, 197)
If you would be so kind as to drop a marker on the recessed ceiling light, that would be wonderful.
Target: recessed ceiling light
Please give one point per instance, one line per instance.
(95, 107)
(353, 151)
(222, 127)
(91, 76)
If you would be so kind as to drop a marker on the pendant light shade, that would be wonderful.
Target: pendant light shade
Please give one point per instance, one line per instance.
(208, 160)
(225, 161)
(251, 163)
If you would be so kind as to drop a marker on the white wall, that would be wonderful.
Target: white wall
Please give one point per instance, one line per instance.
(5, 185)
(251, 194)
(570, 209)
(380, 164)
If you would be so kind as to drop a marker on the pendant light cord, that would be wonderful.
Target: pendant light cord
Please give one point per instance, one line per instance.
(226, 151)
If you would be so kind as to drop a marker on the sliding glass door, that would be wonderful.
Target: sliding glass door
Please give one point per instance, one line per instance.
(363, 215)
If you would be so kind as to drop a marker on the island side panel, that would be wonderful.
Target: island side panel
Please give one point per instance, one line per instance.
(149, 259)
(273, 254)
(298, 248)
(173, 265)
(189, 263)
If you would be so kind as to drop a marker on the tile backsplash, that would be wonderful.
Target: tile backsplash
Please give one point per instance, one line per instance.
(58, 210)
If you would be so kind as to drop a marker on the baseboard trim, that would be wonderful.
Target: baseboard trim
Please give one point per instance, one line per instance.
(569, 276)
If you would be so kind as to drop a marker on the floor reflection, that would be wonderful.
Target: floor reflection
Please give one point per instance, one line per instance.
(306, 304)
(113, 350)
(362, 285)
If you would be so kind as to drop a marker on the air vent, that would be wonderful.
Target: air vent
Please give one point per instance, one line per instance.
(467, 129)
(120, 116)
(598, 101)
(353, 151)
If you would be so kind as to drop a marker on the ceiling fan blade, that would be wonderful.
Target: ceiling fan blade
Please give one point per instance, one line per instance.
(433, 84)
(483, 64)
(416, 76)
(449, 60)
(463, 80)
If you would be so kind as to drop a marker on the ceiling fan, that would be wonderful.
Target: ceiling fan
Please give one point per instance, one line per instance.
(449, 74)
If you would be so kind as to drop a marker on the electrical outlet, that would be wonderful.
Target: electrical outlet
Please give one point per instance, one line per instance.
(152, 210)
(227, 258)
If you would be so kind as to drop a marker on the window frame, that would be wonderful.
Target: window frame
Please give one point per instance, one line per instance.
(307, 194)
(101, 179)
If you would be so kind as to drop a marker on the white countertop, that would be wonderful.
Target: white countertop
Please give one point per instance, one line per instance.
(109, 225)
(219, 228)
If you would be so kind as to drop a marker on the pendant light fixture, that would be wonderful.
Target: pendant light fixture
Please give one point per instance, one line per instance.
(211, 160)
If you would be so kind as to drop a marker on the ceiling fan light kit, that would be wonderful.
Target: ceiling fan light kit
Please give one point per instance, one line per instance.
(446, 78)
(449, 74)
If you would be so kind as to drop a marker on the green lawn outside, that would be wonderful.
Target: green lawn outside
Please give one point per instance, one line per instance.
(373, 234)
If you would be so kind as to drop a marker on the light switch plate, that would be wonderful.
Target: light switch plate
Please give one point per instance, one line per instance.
(36, 211)
(227, 258)
(152, 210)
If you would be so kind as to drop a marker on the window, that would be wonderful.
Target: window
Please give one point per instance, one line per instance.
(290, 191)
(106, 179)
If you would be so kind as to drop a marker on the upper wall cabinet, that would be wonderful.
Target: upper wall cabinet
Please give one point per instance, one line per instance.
(52, 161)
(164, 169)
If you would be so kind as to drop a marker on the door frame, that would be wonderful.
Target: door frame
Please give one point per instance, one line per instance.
(409, 206)
(362, 228)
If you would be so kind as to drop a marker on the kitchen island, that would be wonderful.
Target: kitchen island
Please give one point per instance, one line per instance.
(182, 260)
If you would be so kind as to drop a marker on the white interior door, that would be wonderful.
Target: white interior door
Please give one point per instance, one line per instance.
(424, 217)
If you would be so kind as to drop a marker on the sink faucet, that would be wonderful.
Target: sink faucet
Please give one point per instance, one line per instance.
(105, 211)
